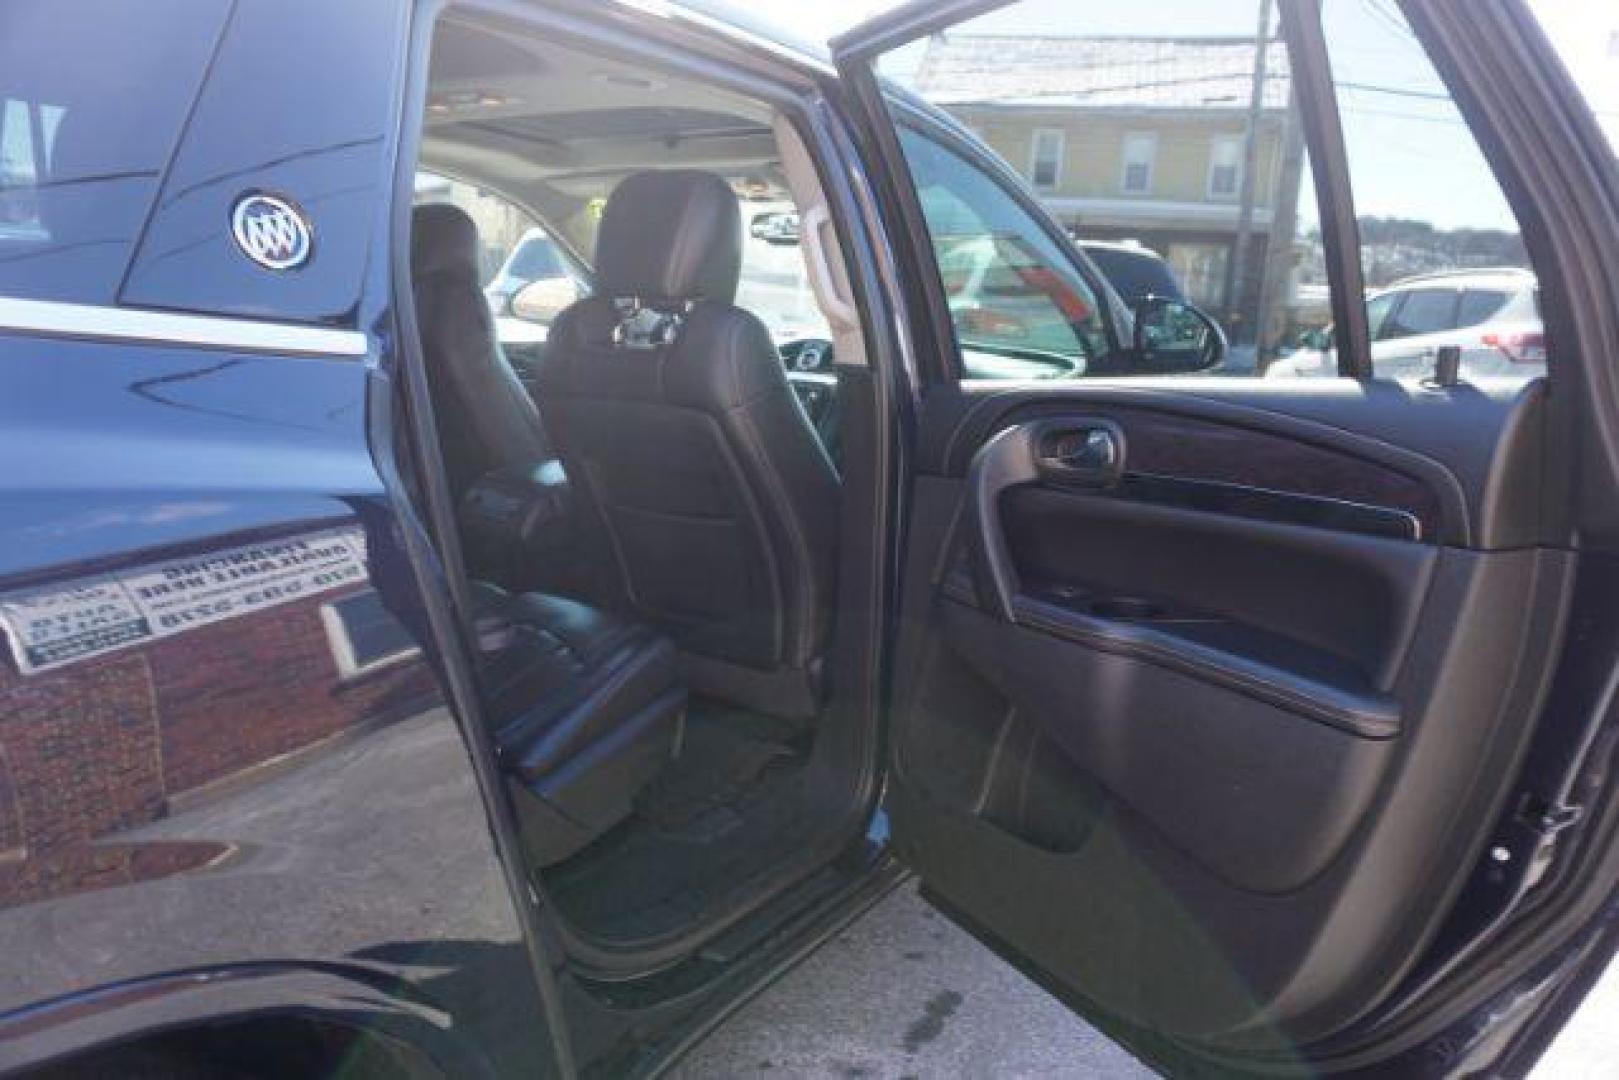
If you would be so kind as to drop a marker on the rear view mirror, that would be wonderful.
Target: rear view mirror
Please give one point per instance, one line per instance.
(1173, 335)
(543, 300)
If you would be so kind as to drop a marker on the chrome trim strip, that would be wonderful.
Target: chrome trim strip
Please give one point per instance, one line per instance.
(53, 318)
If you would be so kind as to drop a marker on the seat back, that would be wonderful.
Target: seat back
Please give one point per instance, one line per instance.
(486, 419)
(673, 416)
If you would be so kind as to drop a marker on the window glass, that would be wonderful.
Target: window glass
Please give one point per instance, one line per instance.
(1479, 305)
(1047, 169)
(530, 272)
(1422, 311)
(1377, 314)
(83, 143)
(1586, 37)
(1158, 131)
(1139, 152)
(527, 276)
(1225, 167)
(774, 283)
(1017, 304)
(1434, 224)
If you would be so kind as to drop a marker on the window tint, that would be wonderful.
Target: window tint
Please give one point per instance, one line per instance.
(92, 96)
(1479, 305)
(1422, 311)
(1018, 305)
(1377, 314)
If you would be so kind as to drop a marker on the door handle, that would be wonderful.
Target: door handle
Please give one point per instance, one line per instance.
(1090, 454)
(1074, 452)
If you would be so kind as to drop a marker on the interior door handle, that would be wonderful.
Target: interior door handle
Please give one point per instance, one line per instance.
(1079, 452)
(1091, 454)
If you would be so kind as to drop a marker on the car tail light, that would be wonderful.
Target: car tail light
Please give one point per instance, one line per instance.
(1519, 346)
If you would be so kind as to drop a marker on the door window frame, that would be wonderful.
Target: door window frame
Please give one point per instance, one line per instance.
(855, 54)
(924, 266)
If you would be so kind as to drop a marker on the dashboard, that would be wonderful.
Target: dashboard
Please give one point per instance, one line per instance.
(806, 355)
(808, 362)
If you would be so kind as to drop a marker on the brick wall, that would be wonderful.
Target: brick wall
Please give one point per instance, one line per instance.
(105, 743)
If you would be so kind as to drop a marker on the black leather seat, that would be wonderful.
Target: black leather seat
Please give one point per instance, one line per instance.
(486, 419)
(585, 710)
(673, 417)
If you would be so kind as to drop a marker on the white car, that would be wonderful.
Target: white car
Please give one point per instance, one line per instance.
(535, 257)
(1493, 315)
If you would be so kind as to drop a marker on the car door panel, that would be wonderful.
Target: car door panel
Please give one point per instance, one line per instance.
(1192, 773)
(1222, 732)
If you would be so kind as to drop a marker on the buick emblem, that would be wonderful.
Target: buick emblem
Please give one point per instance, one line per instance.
(271, 231)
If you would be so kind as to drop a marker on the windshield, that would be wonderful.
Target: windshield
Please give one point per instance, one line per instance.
(774, 284)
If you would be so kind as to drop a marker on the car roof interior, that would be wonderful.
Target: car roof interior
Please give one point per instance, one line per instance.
(552, 127)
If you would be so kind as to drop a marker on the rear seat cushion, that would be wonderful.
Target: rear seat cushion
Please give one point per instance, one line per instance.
(584, 708)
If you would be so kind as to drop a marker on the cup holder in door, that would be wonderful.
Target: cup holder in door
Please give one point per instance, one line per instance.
(1132, 608)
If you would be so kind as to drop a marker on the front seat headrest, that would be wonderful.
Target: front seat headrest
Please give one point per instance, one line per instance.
(670, 235)
(443, 239)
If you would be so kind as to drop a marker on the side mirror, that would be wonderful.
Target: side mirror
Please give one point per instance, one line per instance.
(541, 301)
(1172, 335)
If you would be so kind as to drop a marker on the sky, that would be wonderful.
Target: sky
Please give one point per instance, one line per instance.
(1410, 154)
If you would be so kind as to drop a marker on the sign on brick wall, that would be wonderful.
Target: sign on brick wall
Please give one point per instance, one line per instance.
(54, 625)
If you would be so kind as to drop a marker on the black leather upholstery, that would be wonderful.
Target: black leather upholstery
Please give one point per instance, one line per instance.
(716, 499)
(486, 419)
(585, 709)
(671, 235)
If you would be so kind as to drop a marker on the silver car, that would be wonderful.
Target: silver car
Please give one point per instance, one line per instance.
(1493, 315)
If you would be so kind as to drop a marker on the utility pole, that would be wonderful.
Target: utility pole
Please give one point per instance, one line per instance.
(1276, 285)
(1236, 276)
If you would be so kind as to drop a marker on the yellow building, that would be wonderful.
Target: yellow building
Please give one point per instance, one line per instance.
(1140, 139)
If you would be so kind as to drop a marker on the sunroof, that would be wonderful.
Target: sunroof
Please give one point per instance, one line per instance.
(634, 122)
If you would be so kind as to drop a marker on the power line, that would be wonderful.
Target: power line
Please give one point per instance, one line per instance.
(1394, 91)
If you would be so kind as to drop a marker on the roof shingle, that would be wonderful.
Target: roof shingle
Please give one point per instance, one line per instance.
(1098, 72)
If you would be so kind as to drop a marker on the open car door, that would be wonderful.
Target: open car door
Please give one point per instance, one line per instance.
(1257, 718)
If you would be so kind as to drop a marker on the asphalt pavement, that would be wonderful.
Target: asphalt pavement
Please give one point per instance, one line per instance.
(905, 993)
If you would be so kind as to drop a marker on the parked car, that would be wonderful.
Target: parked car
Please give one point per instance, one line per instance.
(535, 257)
(1493, 316)
(1135, 271)
(366, 712)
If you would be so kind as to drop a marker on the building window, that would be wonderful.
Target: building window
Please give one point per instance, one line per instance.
(1140, 151)
(1045, 166)
(364, 635)
(1225, 166)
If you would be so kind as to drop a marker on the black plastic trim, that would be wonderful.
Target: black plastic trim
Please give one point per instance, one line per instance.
(1366, 714)
(1264, 504)
(1311, 67)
